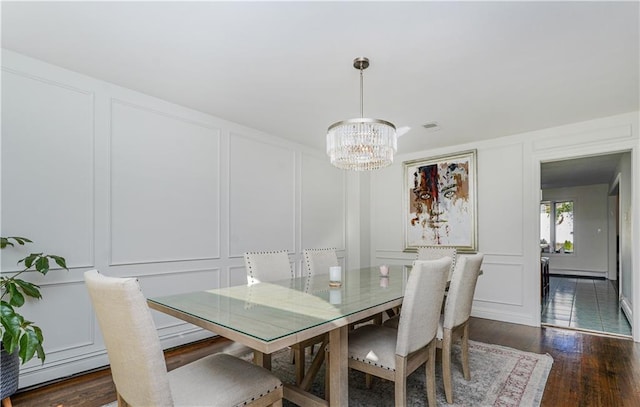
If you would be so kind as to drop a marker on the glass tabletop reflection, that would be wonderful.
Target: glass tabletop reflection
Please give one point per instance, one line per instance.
(270, 311)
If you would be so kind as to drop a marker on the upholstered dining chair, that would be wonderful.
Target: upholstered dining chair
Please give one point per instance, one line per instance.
(436, 252)
(138, 366)
(394, 354)
(318, 261)
(427, 253)
(267, 266)
(454, 323)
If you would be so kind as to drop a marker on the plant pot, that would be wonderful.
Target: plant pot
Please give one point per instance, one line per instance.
(9, 372)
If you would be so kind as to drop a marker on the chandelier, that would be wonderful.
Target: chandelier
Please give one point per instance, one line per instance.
(361, 144)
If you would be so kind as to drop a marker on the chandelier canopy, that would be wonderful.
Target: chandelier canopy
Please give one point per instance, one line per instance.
(361, 144)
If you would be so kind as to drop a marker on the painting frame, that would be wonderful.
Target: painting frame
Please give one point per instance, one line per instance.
(455, 222)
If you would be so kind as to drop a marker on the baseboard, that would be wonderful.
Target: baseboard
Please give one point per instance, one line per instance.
(502, 316)
(62, 369)
(578, 273)
(626, 309)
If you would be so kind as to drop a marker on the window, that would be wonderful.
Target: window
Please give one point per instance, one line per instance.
(556, 227)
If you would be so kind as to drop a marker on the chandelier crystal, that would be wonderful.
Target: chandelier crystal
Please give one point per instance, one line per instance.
(361, 144)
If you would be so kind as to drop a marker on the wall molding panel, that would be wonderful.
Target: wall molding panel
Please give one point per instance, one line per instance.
(44, 80)
(501, 275)
(163, 167)
(500, 200)
(323, 208)
(262, 213)
(36, 153)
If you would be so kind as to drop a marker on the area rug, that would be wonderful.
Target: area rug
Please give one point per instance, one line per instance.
(500, 376)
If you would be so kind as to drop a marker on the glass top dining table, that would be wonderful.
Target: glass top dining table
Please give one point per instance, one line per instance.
(270, 316)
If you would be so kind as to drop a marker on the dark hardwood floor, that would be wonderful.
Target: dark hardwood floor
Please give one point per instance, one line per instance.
(588, 370)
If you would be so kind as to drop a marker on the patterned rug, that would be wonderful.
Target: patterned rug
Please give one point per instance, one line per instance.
(500, 376)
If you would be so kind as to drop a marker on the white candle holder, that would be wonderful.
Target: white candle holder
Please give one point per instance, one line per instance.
(335, 296)
(335, 276)
(384, 270)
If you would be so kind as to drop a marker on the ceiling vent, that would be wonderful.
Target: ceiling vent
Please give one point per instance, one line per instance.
(431, 126)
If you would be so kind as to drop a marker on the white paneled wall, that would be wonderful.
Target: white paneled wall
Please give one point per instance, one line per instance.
(135, 186)
(508, 210)
(47, 165)
(262, 196)
(323, 213)
(500, 200)
(165, 183)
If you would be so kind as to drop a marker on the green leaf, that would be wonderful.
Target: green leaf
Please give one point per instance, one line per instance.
(6, 341)
(38, 332)
(16, 298)
(32, 290)
(42, 264)
(18, 334)
(39, 348)
(28, 344)
(10, 320)
(28, 261)
(60, 261)
(12, 324)
(6, 241)
(40, 352)
(5, 309)
(21, 240)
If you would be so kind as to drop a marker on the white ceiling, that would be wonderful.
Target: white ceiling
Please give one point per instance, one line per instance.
(599, 169)
(481, 70)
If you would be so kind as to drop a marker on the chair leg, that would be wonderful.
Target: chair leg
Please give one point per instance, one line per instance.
(121, 401)
(368, 380)
(400, 381)
(6, 402)
(446, 365)
(430, 368)
(464, 345)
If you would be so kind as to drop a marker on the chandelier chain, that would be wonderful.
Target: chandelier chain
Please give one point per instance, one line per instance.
(361, 91)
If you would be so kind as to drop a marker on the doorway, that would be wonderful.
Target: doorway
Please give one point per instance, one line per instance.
(614, 235)
(584, 290)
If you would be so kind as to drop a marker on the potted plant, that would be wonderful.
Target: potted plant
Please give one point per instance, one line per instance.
(20, 338)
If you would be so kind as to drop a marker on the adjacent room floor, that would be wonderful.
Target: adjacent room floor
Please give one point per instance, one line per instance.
(584, 303)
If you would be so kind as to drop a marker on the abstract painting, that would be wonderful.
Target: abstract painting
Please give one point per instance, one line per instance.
(440, 202)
